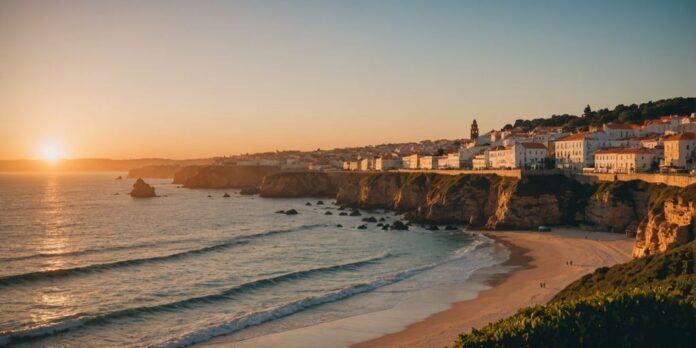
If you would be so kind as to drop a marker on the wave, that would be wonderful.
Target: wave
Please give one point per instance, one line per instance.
(77, 321)
(63, 272)
(309, 302)
(95, 250)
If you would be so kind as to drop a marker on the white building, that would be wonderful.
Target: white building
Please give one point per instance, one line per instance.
(387, 163)
(624, 160)
(429, 162)
(575, 151)
(481, 161)
(367, 164)
(501, 157)
(679, 149)
(410, 162)
(530, 155)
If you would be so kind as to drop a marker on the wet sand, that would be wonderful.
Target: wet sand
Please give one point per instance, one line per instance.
(534, 258)
(540, 258)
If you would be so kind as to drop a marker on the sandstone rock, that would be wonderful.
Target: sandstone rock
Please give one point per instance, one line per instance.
(142, 190)
(249, 190)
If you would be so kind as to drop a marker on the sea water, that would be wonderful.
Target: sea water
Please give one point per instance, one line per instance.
(84, 264)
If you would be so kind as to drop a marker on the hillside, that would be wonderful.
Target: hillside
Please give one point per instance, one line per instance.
(646, 302)
(633, 114)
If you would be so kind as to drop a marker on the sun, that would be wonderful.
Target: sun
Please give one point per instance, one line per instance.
(51, 152)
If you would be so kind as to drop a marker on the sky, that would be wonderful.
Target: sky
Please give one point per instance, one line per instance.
(194, 79)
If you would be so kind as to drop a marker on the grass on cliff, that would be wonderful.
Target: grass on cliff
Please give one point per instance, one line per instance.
(643, 303)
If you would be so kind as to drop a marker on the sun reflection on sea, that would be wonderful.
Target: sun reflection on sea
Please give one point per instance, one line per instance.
(55, 239)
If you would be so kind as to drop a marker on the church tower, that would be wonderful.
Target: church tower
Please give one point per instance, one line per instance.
(474, 130)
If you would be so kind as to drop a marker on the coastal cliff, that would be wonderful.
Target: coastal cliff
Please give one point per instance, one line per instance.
(215, 176)
(659, 216)
(165, 171)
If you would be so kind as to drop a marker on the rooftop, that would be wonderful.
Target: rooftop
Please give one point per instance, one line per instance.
(682, 136)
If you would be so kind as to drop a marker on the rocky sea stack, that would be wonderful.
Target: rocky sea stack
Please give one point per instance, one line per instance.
(142, 190)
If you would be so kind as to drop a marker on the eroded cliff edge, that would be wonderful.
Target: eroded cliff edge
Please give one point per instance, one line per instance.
(659, 216)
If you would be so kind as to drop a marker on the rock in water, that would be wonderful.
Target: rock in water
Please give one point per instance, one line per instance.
(362, 227)
(308, 204)
(291, 212)
(142, 190)
(398, 225)
(355, 212)
(451, 228)
(432, 228)
(248, 191)
(119, 178)
(226, 195)
(343, 213)
(369, 219)
(328, 213)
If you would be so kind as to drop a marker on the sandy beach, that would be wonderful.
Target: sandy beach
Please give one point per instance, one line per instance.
(534, 258)
(541, 258)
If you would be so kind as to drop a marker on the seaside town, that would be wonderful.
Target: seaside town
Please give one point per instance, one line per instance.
(665, 145)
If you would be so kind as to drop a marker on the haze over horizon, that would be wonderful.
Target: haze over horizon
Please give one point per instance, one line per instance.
(200, 79)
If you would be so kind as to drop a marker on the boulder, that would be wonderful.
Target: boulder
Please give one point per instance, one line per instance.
(355, 212)
(142, 190)
(226, 195)
(385, 227)
(249, 190)
(328, 213)
(291, 212)
(432, 228)
(339, 225)
(362, 227)
(320, 202)
(343, 213)
(451, 228)
(119, 178)
(398, 225)
(382, 219)
(308, 204)
(369, 219)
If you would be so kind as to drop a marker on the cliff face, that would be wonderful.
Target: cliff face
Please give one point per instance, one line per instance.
(660, 216)
(154, 172)
(223, 176)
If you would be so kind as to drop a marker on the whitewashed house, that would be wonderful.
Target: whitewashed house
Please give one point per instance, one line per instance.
(481, 161)
(679, 149)
(624, 160)
(410, 162)
(388, 163)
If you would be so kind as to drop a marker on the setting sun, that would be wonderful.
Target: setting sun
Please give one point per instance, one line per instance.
(51, 152)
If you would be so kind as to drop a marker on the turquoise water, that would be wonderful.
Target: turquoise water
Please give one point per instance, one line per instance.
(84, 264)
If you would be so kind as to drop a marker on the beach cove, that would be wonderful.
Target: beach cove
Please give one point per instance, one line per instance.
(421, 321)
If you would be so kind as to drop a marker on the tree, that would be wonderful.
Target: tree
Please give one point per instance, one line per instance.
(587, 112)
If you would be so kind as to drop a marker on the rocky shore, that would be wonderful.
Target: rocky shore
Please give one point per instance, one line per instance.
(659, 216)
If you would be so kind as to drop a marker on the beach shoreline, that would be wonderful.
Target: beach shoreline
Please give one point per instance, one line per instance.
(537, 258)
(501, 291)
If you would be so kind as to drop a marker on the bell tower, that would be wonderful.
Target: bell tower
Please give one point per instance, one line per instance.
(474, 130)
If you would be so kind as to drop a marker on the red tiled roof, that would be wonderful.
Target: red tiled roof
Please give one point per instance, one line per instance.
(572, 137)
(618, 126)
(534, 145)
(682, 136)
(624, 150)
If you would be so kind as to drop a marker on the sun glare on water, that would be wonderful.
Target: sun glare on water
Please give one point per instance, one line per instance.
(51, 152)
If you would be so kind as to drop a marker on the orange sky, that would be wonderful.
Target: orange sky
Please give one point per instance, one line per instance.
(199, 79)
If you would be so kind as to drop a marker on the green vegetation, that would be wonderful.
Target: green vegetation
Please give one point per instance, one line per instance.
(647, 302)
(621, 114)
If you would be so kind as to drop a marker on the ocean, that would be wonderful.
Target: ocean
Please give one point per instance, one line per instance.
(84, 264)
